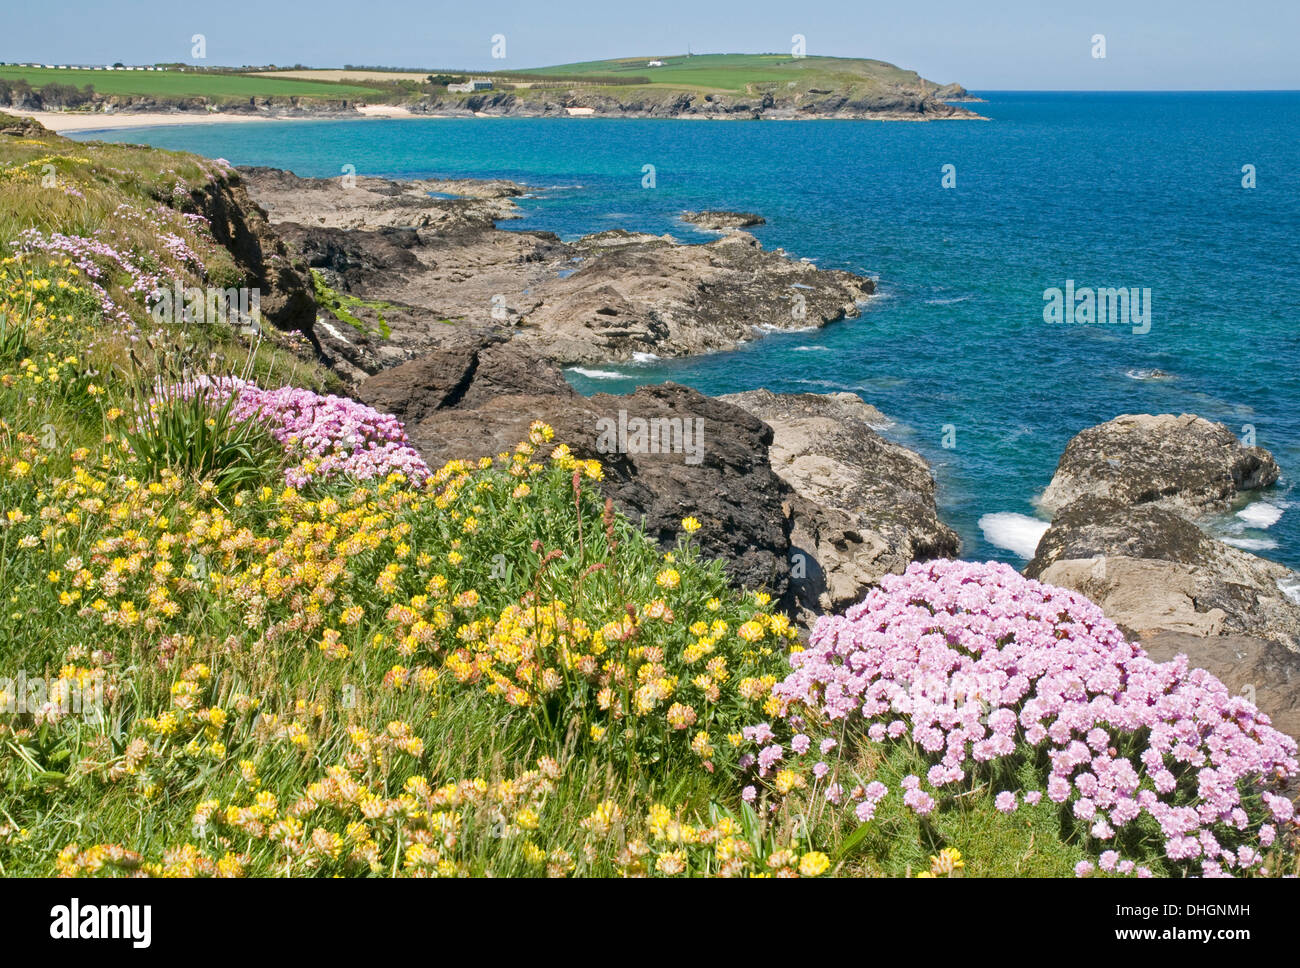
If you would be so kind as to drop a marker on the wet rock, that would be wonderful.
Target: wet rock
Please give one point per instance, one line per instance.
(863, 507)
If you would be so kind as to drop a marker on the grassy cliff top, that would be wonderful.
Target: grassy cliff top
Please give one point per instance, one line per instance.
(740, 73)
(184, 84)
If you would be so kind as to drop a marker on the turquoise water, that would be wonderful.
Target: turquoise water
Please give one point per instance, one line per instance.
(1133, 190)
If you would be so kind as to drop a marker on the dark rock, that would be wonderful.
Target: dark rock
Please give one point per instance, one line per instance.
(717, 472)
(462, 376)
(241, 226)
(1096, 527)
(864, 507)
(1184, 463)
(719, 220)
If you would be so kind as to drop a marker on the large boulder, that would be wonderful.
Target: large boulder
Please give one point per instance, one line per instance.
(1130, 541)
(863, 507)
(1184, 463)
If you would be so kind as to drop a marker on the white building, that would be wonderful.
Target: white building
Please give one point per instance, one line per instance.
(655, 64)
(469, 87)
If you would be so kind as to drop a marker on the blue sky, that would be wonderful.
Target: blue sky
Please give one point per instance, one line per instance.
(1021, 44)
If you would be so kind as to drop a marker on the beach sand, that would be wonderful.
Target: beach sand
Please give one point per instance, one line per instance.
(65, 121)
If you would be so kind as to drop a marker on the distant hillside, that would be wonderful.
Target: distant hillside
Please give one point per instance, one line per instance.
(777, 86)
(715, 85)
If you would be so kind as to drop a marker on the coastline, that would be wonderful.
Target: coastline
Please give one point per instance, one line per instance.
(64, 122)
(76, 122)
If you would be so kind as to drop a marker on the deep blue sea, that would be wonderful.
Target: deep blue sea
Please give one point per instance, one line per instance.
(1133, 190)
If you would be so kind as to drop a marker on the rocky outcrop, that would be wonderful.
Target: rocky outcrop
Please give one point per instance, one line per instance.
(241, 226)
(451, 275)
(1184, 463)
(1151, 570)
(720, 220)
(363, 202)
(702, 457)
(636, 293)
(1127, 495)
(863, 507)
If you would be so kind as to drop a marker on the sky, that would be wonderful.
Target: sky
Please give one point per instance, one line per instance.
(1017, 45)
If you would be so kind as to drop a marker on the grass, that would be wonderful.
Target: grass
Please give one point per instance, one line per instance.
(741, 73)
(726, 74)
(342, 305)
(186, 84)
(485, 672)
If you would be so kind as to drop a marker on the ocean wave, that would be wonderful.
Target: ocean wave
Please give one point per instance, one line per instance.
(770, 328)
(598, 374)
(1251, 544)
(1017, 533)
(949, 301)
(828, 384)
(811, 349)
(646, 357)
(1261, 514)
(1153, 374)
(1290, 587)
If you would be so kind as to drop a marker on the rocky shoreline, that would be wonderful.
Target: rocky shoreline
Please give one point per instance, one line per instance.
(799, 493)
(604, 297)
(892, 104)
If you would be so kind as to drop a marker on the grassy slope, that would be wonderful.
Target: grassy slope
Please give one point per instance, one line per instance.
(743, 73)
(733, 72)
(295, 677)
(184, 84)
(223, 712)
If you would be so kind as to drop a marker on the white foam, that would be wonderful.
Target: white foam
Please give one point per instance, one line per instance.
(812, 349)
(1290, 587)
(949, 301)
(597, 374)
(645, 357)
(1017, 533)
(1251, 544)
(332, 331)
(1261, 514)
(1144, 375)
(771, 328)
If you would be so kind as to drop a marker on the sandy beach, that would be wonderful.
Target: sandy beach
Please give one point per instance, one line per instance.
(73, 121)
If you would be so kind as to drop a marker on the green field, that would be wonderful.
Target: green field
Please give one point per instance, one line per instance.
(182, 84)
(737, 72)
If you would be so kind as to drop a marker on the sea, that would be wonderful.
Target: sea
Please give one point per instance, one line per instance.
(1190, 201)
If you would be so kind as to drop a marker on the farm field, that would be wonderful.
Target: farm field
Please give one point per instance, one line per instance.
(180, 84)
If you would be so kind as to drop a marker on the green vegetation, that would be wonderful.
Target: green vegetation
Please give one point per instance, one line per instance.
(219, 86)
(476, 669)
(341, 306)
(738, 73)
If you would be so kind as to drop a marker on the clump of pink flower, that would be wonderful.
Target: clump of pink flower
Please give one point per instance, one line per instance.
(974, 664)
(328, 436)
